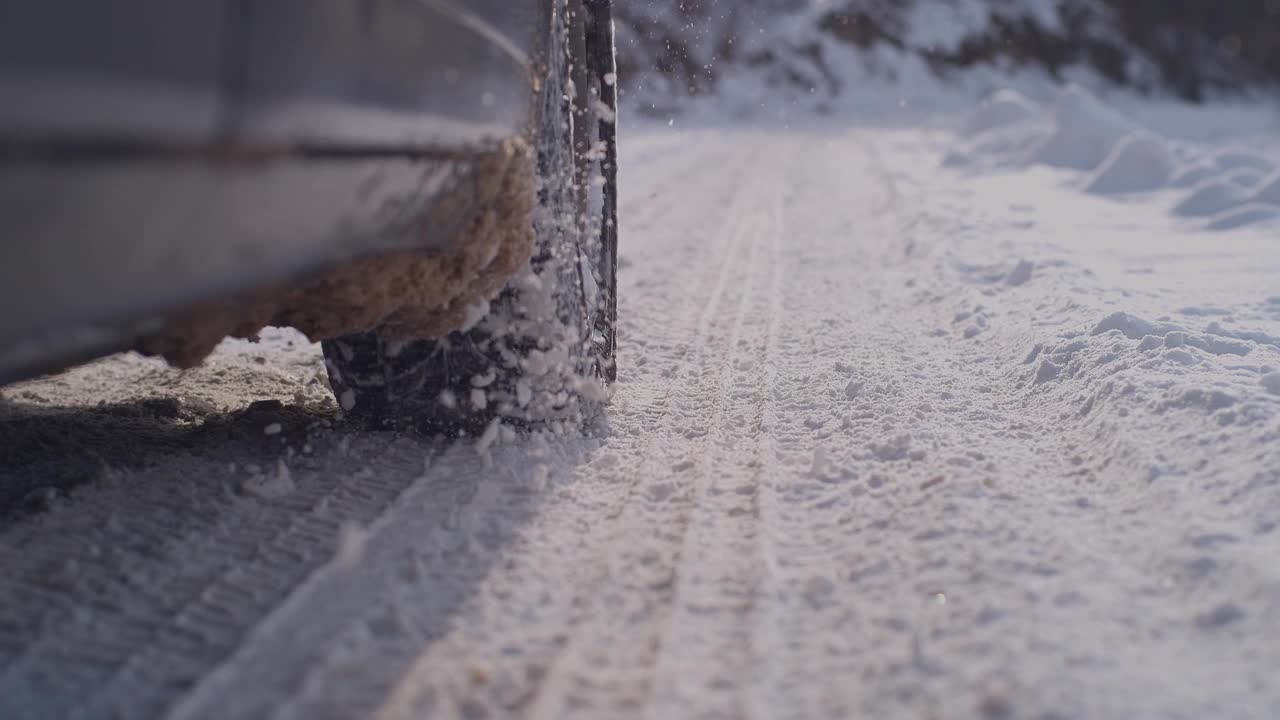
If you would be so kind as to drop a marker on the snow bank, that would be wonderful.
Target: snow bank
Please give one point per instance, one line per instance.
(1246, 179)
(1269, 192)
(1210, 198)
(1232, 193)
(1140, 163)
(1003, 109)
(1227, 188)
(1176, 369)
(1250, 214)
(1234, 159)
(1229, 201)
(1193, 175)
(1085, 131)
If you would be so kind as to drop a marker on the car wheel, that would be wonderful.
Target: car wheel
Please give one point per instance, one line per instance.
(544, 352)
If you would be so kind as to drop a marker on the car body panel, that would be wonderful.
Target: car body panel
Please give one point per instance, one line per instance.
(389, 73)
(369, 73)
(148, 68)
(157, 154)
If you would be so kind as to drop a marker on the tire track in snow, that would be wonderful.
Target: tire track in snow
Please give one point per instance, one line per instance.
(802, 625)
(163, 590)
(337, 646)
(644, 541)
(708, 651)
(596, 658)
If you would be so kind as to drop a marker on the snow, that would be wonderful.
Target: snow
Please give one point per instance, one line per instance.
(1211, 197)
(968, 411)
(1271, 381)
(273, 485)
(1003, 109)
(1269, 192)
(1193, 176)
(1139, 163)
(1243, 216)
(1085, 131)
(1225, 188)
(943, 26)
(1235, 159)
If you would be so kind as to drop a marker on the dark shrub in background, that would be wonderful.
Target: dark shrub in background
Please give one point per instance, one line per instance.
(1185, 47)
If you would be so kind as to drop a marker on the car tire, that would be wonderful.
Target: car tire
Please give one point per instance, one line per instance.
(543, 355)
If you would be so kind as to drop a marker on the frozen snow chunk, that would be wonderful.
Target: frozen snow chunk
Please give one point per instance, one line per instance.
(1134, 328)
(347, 400)
(819, 464)
(1211, 198)
(893, 449)
(271, 486)
(1243, 216)
(1224, 614)
(1011, 146)
(1140, 163)
(1020, 274)
(352, 540)
(489, 437)
(1085, 132)
(1047, 371)
(1219, 342)
(1210, 400)
(1002, 109)
(1271, 382)
(473, 314)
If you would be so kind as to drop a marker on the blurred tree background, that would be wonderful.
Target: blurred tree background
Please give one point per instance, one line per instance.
(1189, 48)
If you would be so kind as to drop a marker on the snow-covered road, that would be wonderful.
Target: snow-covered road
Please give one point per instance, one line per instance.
(891, 439)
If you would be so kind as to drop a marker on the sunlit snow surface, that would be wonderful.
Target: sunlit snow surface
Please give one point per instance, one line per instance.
(945, 403)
